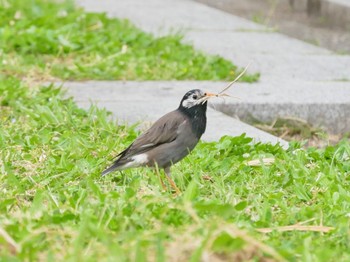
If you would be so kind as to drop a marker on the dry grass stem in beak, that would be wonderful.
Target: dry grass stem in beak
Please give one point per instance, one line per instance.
(221, 93)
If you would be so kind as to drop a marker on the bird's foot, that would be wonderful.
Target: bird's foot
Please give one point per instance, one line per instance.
(161, 180)
(173, 185)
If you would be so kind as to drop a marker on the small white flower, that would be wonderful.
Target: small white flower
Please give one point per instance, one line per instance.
(18, 15)
(62, 13)
(246, 155)
(124, 49)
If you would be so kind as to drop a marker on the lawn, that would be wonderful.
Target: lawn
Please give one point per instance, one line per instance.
(45, 40)
(55, 206)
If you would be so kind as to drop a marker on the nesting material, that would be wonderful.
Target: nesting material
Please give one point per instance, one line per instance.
(222, 92)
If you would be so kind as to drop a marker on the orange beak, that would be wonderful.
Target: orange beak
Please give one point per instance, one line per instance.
(206, 97)
(207, 94)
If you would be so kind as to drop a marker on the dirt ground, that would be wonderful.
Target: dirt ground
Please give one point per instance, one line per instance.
(295, 22)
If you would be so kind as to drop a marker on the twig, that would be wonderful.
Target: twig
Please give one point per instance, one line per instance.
(307, 221)
(15, 248)
(296, 227)
(234, 81)
(284, 133)
(259, 162)
(236, 232)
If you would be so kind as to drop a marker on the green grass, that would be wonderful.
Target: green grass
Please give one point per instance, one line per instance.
(43, 39)
(55, 206)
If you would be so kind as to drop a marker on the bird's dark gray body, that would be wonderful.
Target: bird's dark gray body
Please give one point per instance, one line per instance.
(170, 138)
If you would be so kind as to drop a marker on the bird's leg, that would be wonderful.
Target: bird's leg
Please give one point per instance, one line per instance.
(172, 183)
(160, 179)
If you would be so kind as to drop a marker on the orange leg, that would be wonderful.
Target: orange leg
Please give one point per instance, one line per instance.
(172, 183)
(160, 179)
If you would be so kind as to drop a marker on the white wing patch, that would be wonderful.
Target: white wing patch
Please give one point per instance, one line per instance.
(180, 128)
(147, 145)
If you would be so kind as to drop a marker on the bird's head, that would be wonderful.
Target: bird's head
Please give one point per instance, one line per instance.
(195, 99)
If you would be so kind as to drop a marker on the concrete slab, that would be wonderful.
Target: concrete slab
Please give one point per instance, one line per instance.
(265, 42)
(344, 3)
(137, 102)
(161, 16)
(274, 55)
(322, 104)
(336, 12)
(297, 79)
(134, 101)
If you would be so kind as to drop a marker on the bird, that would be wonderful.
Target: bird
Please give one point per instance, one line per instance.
(169, 139)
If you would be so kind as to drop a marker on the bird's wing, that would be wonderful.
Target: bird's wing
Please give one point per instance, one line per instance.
(164, 130)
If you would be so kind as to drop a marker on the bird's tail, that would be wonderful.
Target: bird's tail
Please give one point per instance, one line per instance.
(110, 169)
(119, 164)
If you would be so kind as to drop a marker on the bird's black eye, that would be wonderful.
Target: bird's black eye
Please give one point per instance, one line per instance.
(194, 97)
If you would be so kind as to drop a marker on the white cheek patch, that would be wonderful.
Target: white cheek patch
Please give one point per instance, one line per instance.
(188, 103)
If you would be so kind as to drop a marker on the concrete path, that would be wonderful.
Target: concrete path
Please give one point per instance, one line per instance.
(297, 79)
(144, 102)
